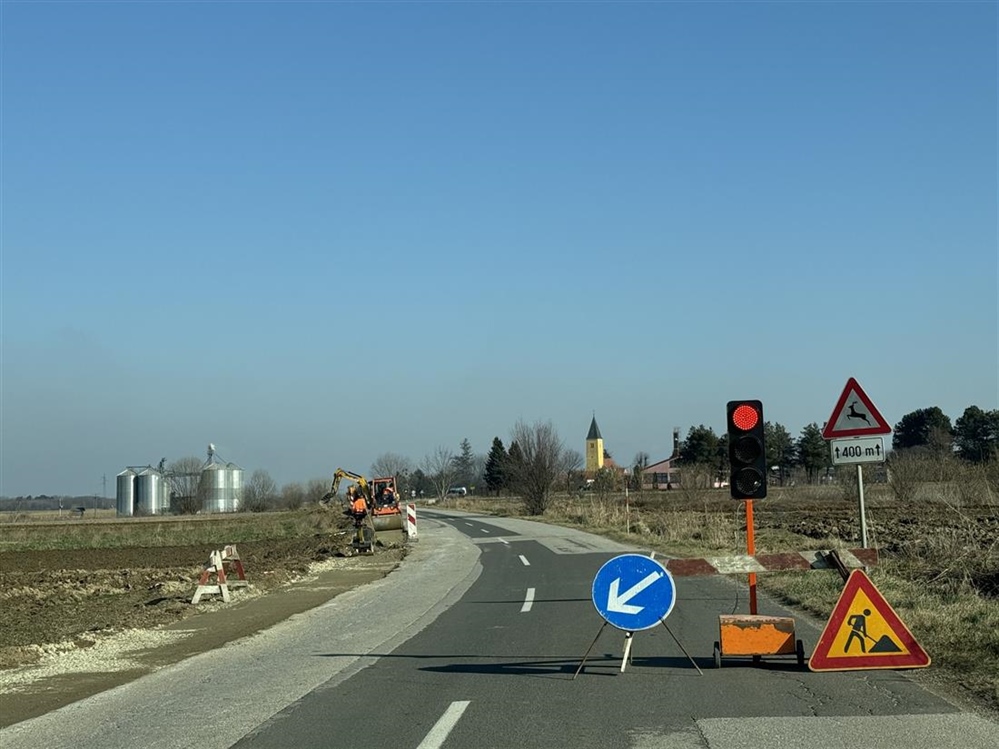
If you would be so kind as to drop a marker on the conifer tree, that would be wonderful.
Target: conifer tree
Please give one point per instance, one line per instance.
(495, 464)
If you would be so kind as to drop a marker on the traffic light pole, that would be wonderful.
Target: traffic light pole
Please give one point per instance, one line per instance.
(751, 550)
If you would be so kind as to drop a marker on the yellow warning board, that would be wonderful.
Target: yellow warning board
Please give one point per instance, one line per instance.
(864, 632)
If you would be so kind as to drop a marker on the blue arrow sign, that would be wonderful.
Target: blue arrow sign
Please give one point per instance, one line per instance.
(633, 592)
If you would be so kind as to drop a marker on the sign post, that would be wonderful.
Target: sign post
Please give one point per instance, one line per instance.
(856, 416)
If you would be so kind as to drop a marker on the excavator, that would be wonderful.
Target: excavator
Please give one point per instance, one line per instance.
(381, 496)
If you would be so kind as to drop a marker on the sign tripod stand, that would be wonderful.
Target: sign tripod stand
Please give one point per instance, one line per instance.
(646, 600)
(629, 638)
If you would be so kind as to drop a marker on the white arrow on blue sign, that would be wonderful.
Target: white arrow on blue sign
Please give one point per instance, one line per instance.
(633, 592)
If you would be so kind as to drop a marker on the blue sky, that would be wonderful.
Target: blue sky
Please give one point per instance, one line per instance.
(312, 233)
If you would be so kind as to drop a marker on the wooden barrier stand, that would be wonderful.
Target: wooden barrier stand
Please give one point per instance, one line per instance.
(221, 564)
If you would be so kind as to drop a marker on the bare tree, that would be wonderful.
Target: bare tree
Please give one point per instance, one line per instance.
(639, 465)
(543, 460)
(391, 464)
(293, 495)
(440, 467)
(260, 494)
(315, 490)
(184, 477)
(573, 476)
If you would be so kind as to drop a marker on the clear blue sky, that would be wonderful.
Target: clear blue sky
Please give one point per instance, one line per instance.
(312, 233)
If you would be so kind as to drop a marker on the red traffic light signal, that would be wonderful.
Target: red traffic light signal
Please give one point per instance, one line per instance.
(747, 452)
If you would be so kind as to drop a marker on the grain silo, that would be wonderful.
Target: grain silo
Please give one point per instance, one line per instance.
(221, 484)
(152, 493)
(125, 494)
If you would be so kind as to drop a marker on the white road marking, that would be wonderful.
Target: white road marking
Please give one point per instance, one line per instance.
(504, 541)
(485, 531)
(524, 560)
(470, 525)
(528, 602)
(439, 733)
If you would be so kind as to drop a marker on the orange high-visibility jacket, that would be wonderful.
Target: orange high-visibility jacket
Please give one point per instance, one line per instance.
(359, 506)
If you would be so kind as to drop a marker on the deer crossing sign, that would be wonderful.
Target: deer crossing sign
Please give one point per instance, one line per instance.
(855, 415)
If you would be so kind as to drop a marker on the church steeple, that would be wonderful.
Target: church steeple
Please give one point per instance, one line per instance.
(594, 448)
(594, 433)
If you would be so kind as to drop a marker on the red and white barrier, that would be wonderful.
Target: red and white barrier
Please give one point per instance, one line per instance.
(411, 522)
(214, 580)
(797, 560)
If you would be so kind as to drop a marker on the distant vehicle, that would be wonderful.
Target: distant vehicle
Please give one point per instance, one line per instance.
(457, 491)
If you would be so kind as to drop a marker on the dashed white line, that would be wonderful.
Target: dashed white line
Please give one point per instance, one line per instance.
(528, 602)
(485, 531)
(470, 525)
(524, 560)
(439, 733)
(504, 541)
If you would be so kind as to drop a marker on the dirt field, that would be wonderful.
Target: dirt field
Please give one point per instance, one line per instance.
(78, 621)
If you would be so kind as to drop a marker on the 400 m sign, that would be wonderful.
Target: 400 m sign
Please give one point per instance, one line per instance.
(859, 450)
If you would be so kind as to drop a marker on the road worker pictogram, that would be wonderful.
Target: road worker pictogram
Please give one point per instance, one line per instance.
(864, 632)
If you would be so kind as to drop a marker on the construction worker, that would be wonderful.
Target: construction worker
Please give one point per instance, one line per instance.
(388, 497)
(358, 506)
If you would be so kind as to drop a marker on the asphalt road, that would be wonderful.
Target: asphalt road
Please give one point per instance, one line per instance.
(474, 642)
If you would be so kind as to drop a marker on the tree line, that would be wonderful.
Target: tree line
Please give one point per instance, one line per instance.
(537, 460)
(973, 438)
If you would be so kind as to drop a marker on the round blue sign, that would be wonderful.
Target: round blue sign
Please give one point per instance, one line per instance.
(633, 592)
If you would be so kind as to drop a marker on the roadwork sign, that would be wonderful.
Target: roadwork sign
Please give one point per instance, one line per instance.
(858, 450)
(633, 592)
(854, 415)
(864, 633)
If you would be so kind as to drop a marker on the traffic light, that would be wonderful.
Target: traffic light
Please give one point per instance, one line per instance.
(747, 451)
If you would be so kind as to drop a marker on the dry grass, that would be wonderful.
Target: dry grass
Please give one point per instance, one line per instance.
(183, 530)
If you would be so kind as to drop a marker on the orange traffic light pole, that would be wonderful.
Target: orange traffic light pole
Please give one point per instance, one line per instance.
(751, 550)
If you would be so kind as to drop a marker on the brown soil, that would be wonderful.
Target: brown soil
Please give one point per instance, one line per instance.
(61, 601)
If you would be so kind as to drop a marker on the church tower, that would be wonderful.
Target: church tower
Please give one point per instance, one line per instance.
(594, 448)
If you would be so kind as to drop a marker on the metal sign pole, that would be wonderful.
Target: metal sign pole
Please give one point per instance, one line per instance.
(627, 511)
(751, 548)
(863, 514)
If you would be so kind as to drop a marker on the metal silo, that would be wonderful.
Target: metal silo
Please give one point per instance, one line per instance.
(235, 487)
(214, 482)
(125, 495)
(152, 495)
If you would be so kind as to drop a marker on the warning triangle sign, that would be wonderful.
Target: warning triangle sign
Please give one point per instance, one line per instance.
(855, 415)
(864, 632)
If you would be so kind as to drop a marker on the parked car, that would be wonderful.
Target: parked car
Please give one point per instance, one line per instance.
(457, 491)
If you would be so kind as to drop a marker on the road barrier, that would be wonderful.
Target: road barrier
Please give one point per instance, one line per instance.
(221, 563)
(411, 522)
(788, 562)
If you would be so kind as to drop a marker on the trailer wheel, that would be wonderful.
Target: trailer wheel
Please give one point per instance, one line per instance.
(801, 653)
(717, 655)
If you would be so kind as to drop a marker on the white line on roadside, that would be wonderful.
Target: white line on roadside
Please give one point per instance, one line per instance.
(439, 733)
(524, 560)
(528, 602)
(504, 541)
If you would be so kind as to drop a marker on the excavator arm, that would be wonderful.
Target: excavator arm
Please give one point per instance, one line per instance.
(339, 475)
